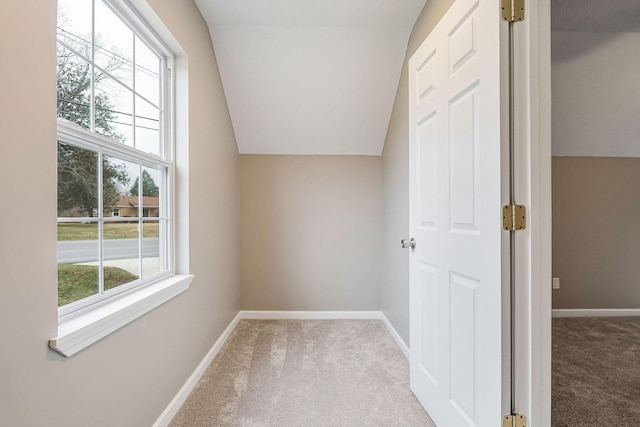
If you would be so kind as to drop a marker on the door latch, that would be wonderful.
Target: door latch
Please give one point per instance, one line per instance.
(406, 243)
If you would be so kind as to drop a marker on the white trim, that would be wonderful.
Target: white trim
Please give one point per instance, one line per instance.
(176, 403)
(404, 348)
(533, 181)
(310, 315)
(595, 312)
(79, 332)
(76, 135)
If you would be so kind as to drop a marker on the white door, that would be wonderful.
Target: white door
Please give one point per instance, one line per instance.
(455, 216)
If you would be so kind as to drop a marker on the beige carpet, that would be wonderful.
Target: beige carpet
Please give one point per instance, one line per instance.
(596, 372)
(305, 373)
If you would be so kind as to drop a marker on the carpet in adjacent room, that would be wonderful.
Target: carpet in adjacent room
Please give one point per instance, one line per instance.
(596, 372)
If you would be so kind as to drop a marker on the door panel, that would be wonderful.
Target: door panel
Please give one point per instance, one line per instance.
(455, 214)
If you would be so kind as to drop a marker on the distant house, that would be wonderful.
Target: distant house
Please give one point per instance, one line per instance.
(128, 206)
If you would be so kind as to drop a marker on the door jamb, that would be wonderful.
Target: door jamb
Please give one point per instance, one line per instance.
(533, 188)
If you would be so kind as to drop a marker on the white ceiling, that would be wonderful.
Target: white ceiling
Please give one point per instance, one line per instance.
(309, 76)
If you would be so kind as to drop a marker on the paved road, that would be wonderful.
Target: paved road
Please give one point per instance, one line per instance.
(87, 250)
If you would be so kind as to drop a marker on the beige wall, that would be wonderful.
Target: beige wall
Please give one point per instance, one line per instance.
(596, 232)
(129, 377)
(310, 232)
(395, 178)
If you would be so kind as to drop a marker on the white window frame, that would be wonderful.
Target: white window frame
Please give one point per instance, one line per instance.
(84, 322)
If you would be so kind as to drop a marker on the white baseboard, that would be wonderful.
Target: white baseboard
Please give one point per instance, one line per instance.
(176, 403)
(596, 312)
(396, 336)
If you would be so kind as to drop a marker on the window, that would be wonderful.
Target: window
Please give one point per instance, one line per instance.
(114, 153)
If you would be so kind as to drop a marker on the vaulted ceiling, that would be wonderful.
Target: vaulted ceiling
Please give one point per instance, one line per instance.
(309, 76)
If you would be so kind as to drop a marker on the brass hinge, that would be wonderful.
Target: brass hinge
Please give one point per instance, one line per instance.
(512, 10)
(516, 420)
(514, 217)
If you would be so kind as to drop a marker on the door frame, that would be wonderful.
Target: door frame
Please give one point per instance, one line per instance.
(533, 189)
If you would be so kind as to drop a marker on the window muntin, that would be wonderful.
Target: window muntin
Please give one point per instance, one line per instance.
(114, 173)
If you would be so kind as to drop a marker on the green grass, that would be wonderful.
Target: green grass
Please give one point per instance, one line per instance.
(76, 282)
(112, 230)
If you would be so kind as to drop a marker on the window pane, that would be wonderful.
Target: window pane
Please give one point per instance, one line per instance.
(74, 25)
(113, 45)
(121, 246)
(77, 182)
(77, 261)
(147, 127)
(147, 73)
(151, 248)
(114, 109)
(151, 190)
(73, 88)
(118, 177)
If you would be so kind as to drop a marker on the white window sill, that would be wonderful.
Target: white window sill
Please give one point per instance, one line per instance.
(79, 332)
